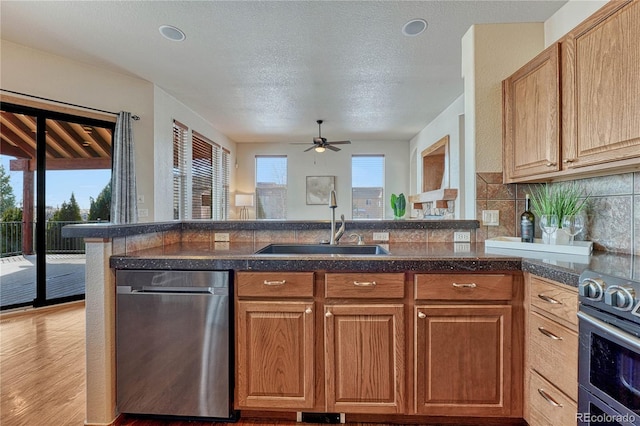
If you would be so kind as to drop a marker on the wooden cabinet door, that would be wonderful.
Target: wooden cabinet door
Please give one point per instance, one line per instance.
(601, 88)
(531, 117)
(463, 361)
(364, 358)
(275, 347)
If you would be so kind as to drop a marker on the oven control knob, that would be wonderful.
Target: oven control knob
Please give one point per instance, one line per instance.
(620, 297)
(592, 288)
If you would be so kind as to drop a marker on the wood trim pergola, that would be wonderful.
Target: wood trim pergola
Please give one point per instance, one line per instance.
(69, 146)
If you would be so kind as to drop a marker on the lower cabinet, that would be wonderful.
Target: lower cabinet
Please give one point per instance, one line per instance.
(463, 360)
(468, 345)
(551, 371)
(380, 343)
(275, 348)
(364, 358)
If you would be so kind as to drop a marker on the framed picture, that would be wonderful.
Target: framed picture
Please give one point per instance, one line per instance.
(319, 188)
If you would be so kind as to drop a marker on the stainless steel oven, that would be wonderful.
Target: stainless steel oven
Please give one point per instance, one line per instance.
(609, 354)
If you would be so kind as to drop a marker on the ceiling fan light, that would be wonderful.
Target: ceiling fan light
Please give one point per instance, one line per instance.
(320, 148)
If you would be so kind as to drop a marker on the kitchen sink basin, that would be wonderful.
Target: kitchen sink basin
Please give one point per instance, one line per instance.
(322, 249)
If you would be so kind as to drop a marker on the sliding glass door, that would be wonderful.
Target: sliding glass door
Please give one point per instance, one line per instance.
(59, 172)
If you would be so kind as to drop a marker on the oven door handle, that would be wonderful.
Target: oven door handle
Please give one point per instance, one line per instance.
(619, 334)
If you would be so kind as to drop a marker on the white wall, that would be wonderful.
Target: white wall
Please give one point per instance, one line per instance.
(338, 164)
(41, 74)
(44, 75)
(447, 123)
(568, 17)
(490, 53)
(168, 108)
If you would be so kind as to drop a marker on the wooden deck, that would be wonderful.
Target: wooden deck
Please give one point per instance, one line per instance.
(65, 277)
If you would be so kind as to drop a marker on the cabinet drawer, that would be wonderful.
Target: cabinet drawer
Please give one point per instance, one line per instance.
(275, 284)
(365, 285)
(549, 406)
(463, 287)
(552, 345)
(555, 300)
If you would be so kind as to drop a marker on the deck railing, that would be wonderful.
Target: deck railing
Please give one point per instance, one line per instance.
(11, 238)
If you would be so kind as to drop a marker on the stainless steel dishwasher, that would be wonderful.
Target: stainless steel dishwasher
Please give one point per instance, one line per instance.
(173, 343)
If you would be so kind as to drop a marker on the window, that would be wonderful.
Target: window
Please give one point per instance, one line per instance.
(271, 187)
(208, 176)
(180, 134)
(202, 167)
(367, 186)
(222, 158)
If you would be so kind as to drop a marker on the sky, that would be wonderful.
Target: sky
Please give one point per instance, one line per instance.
(61, 183)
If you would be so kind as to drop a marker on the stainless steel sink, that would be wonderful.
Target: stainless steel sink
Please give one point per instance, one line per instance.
(322, 249)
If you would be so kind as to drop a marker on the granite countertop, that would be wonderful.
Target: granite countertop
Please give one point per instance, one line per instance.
(419, 257)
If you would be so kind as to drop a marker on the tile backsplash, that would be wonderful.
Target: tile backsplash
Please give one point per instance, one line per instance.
(613, 209)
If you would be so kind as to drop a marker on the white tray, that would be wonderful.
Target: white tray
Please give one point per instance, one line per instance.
(579, 247)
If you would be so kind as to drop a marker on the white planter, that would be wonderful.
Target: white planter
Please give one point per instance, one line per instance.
(559, 237)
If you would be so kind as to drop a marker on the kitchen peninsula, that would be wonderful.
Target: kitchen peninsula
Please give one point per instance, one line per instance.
(408, 295)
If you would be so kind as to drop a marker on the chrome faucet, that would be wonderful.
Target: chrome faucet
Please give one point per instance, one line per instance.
(333, 204)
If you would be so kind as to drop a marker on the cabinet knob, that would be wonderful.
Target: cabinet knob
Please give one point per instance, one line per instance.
(551, 164)
(422, 315)
(308, 311)
(328, 314)
(568, 160)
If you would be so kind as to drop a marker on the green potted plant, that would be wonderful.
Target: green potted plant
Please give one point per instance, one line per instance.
(399, 205)
(560, 200)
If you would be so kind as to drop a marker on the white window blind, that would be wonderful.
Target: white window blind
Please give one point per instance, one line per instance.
(180, 134)
(271, 187)
(223, 211)
(367, 186)
(202, 169)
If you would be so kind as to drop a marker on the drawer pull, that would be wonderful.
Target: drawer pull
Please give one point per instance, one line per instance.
(308, 311)
(365, 283)
(548, 333)
(465, 285)
(422, 315)
(550, 164)
(548, 398)
(281, 282)
(549, 299)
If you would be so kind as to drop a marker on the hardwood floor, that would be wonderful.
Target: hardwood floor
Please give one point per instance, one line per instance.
(42, 373)
(42, 366)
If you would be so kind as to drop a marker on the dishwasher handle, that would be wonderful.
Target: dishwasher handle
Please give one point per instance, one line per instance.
(165, 290)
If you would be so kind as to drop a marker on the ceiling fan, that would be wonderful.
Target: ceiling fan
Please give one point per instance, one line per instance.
(320, 143)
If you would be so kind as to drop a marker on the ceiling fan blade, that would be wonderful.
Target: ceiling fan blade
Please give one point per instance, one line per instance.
(339, 142)
(332, 148)
(309, 149)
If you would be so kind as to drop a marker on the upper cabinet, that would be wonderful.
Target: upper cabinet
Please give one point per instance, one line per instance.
(574, 110)
(531, 131)
(602, 102)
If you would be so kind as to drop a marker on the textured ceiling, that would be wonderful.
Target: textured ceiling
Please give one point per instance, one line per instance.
(266, 70)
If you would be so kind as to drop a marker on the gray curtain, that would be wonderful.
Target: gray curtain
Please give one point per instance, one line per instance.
(123, 176)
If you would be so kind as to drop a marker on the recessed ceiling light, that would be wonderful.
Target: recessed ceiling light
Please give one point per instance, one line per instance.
(172, 33)
(414, 27)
